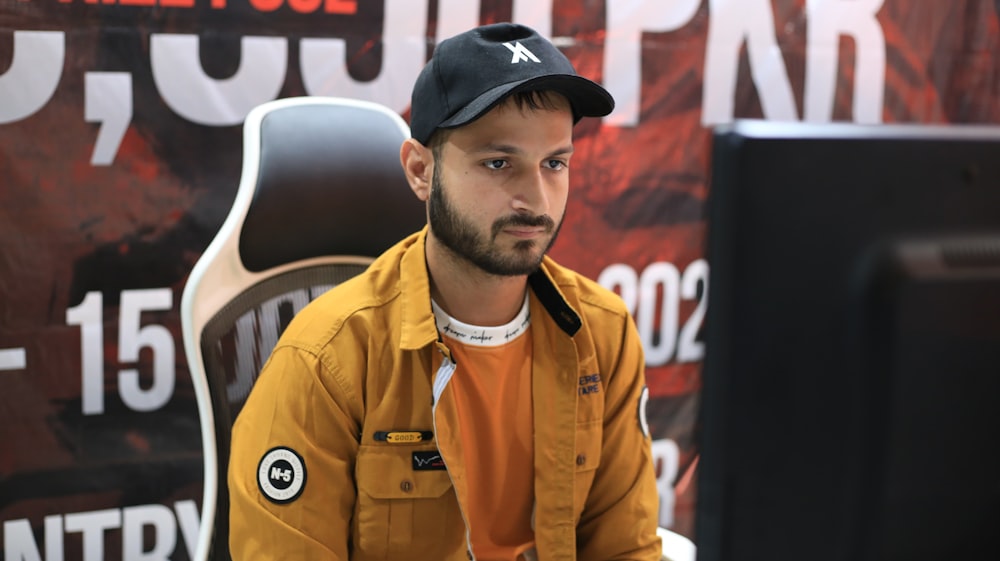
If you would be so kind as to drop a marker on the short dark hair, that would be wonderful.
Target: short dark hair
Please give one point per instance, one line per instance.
(530, 100)
(535, 100)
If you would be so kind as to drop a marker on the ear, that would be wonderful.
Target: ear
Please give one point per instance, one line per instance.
(418, 165)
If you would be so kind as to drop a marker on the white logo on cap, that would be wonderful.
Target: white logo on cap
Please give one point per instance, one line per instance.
(520, 53)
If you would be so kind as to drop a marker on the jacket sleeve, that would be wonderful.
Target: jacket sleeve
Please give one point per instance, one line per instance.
(620, 515)
(300, 405)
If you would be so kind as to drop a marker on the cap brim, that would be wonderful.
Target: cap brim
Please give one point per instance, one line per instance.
(587, 98)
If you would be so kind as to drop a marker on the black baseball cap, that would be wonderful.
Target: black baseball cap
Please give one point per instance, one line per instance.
(472, 72)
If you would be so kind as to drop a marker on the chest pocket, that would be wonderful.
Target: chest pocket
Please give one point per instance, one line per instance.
(402, 512)
(588, 458)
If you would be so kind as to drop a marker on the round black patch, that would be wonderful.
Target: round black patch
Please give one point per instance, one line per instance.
(281, 475)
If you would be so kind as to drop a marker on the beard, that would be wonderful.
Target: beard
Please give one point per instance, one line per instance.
(460, 236)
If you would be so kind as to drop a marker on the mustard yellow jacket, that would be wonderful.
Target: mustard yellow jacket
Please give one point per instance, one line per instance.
(312, 474)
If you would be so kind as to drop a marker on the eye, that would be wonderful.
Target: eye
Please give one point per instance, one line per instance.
(555, 164)
(496, 164)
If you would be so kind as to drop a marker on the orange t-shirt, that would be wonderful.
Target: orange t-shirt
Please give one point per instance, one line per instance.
(492, 390)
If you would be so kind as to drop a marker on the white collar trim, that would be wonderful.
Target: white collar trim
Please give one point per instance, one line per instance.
(479, 336)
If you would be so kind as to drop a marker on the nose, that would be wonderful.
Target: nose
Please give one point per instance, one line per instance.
(532, 194)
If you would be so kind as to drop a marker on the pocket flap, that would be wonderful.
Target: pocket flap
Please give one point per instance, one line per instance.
(386, 472)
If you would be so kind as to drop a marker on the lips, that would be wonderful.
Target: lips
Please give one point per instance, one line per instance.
(524, 226)
(525, 232)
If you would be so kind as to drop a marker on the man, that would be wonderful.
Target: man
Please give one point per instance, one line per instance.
(465, 397)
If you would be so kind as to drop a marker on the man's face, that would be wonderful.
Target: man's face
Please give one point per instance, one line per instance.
(500, 185)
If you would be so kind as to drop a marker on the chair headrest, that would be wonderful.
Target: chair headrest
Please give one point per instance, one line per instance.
(329, 182)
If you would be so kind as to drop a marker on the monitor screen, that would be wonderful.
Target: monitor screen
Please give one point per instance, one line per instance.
(851, 385)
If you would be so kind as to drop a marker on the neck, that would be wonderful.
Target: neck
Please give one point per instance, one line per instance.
(469, 294)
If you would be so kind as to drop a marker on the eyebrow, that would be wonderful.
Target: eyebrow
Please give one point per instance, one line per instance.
(515, 151)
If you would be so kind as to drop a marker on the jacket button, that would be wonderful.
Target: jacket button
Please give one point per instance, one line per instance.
(581, 459)
(406, 485)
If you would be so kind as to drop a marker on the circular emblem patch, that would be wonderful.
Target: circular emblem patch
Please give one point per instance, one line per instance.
(643, 400)
(281, 475)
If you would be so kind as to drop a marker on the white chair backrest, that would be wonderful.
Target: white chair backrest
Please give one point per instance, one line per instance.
(321, 194)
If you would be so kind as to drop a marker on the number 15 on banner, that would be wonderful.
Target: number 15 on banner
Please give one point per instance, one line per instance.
(132, 338)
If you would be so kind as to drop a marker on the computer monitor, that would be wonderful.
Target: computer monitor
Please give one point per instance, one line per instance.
(851, 385)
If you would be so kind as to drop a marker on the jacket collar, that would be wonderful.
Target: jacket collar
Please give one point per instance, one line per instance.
(552, 299)
(418, 326)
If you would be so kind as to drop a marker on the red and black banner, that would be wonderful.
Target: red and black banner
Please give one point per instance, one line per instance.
(120, 155)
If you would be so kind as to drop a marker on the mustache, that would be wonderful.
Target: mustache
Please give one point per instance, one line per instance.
(536, 221)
